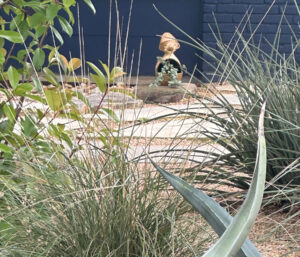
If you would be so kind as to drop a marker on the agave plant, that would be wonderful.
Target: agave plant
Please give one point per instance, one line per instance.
(232, 231)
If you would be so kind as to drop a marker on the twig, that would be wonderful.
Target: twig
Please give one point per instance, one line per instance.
(44, 127)
(9, 54)
(94, 114)
(43, 37)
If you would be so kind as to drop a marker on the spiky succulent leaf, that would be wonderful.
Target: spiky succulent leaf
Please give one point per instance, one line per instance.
(217, 216)
(238, 230)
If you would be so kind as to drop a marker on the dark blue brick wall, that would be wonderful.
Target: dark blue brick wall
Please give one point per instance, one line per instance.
(229, 14)
(196, 17)
(145, 25)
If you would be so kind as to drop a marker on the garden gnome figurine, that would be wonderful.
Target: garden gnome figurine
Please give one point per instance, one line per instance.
(169, 44)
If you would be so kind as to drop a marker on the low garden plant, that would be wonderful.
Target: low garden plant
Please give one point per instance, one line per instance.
(168, 72)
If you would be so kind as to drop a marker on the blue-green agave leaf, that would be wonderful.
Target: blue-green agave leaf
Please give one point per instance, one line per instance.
(238, 230)
(216, 215)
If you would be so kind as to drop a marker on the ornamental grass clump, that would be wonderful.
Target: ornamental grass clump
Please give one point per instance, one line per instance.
(94, 204)
(255, 75)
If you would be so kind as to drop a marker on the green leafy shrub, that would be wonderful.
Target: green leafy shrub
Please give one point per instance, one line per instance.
(25, 27)
(23, 52)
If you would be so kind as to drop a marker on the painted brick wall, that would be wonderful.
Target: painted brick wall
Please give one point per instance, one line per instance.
(229, 14)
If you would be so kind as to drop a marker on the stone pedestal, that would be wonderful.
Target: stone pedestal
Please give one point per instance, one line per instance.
(165, 94)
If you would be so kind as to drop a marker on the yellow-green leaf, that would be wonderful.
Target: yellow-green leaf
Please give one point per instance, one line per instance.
(95, 68)
(100, 82)
(51, 77)
(12, 36)
(99, 78)
(10, 112)
(105, 67)
(63, 62)
(21, 89)
(37, 84)
(111, 114)
(52, 11)
(70, 14)
(74, 64)
(28, 127)
(69, 3)
(2, 42)
(54, 99)
(3, 51)
(81, 97)
(36, 19)
(65, 25)
(115, 73)
(2, 55)
(13, 76)
(37, 98)
(57, 35)
(38, 58)
(52, 53)
(5, 149)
